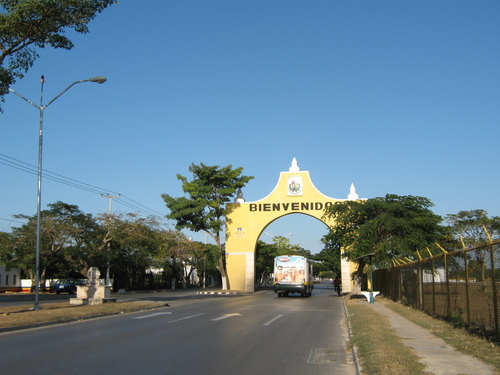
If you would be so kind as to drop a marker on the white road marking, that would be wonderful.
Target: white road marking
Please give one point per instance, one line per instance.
(151, 315)
(273, 319)
(186, 317)
(225, 316)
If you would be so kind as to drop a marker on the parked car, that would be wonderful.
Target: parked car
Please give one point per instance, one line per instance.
(66, 285)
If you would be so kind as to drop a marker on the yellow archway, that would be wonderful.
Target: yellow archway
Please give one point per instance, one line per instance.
(294, 193)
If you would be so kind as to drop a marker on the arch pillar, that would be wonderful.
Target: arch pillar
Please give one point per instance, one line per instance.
(245, 222)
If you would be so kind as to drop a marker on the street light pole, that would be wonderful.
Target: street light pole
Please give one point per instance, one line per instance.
(41, 108)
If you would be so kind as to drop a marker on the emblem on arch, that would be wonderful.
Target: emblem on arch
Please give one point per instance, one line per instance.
(295, 185)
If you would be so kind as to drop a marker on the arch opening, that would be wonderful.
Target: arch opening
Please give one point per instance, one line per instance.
(291, 230)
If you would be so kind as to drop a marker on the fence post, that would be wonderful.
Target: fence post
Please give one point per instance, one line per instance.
(493, 283)
(447, 275)
(467, 296)
(433, 289)
(399, 284)
(448, 293)
(420, 286)
(433, 282)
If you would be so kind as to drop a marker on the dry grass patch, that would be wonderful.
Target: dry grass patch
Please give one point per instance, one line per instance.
(458, 338)
(21, 316)
(379, 349)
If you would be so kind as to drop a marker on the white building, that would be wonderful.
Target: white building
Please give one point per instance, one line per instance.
(10, 281)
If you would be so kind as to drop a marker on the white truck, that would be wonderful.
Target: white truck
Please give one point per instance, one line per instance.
(293, 274)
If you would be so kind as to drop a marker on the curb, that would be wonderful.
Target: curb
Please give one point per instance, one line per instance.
(229, 292)
(359, 369)
(219, 292)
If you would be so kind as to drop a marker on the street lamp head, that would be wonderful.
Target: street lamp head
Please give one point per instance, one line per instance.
(98, 79)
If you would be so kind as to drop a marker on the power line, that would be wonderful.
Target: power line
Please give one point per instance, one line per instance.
(12, 221)
(138, 207)
(28, 168)
(25, 167)
(141, 205)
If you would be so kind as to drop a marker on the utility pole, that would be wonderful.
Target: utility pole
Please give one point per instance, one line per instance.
(110, 213)
(205, 263)
(110, 202)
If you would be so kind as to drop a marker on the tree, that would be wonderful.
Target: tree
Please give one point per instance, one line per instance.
(329, 257)
(19, 251)
(469, 225)
(284, 247)
(389, 227)
(188, 261)
(26, 24)
(7, 244)
(72, 238)
(264, 261)
(204, 208)
(206, 264)
(181, 255)
(68, 240)
(135, 243)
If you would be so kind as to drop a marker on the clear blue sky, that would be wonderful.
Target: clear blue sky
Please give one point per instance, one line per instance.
(395, 97)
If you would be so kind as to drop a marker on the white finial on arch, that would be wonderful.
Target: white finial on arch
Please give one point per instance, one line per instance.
(352, 193)
(239, 197)
(294, 167)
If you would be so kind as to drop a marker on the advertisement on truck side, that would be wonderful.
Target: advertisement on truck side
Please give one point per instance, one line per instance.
(292, 274)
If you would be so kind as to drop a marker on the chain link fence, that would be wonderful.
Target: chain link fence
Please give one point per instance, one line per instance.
(459, 286)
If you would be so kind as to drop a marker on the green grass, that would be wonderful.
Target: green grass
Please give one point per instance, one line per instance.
(458, 338)
(379, 349)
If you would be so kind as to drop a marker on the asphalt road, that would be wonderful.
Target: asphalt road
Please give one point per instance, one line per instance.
(256, 333)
